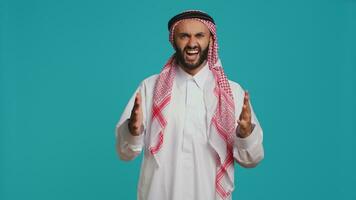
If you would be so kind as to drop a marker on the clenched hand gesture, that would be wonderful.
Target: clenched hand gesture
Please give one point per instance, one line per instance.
(244, 121)
(136, 118)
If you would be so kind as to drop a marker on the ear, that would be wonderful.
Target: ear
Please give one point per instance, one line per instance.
(211, 40)
(174, 44)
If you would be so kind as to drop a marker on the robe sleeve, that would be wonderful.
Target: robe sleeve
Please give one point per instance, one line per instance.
(248, 151)
(128, 146)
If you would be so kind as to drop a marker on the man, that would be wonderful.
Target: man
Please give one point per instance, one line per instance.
(191, 122)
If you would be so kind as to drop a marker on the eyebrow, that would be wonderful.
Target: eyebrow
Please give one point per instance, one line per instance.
(184, 33)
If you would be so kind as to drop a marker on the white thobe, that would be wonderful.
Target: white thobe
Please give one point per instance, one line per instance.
(188, 164)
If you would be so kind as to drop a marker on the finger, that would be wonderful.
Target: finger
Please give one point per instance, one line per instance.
(139, 98)
(238, 121)
(246, 117)
(134, 109)
(245, 113)
(136, 102)
(246, 97)
(241, 122)
(242, 112)
(247, 102)
(135, 126)
(243, 126)
(139, 103)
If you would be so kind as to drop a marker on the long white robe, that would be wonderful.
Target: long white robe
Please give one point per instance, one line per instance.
(188, 167)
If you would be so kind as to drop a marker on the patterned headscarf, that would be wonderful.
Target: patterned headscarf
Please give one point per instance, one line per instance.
(223, 120)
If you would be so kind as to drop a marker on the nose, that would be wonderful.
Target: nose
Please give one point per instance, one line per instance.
(192, 43)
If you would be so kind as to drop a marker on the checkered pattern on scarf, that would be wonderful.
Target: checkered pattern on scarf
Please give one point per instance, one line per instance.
(223, 119)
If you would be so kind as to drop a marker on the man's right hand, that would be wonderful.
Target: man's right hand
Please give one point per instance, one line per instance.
(136, 118)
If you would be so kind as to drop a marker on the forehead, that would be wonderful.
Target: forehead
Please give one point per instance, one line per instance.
(191, 26)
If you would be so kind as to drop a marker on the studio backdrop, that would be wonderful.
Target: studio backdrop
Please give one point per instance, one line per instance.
(68, 68)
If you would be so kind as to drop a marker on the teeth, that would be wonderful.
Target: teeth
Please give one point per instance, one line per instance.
(195, 51)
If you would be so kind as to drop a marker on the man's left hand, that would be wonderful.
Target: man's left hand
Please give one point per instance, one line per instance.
(244, 121)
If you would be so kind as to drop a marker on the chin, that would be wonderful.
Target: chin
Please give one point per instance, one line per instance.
(191, 65)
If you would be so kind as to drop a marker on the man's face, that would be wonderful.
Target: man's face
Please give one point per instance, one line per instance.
(191, 42)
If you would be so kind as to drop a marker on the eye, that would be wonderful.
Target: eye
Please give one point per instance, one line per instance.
(183, 36)
(200, 35)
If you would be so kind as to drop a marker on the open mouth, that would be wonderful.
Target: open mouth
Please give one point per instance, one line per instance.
(192, 55)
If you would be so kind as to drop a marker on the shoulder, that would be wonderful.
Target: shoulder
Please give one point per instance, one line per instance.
(149, 81)
(235, 87)
(238, 92)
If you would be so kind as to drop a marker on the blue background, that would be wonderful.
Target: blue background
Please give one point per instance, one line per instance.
(68, 68)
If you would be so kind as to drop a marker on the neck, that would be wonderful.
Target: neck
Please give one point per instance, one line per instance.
(193, 71)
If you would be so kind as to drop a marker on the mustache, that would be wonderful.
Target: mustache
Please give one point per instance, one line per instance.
(192, 48)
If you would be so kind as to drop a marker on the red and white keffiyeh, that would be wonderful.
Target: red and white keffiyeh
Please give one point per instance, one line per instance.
(223, 120)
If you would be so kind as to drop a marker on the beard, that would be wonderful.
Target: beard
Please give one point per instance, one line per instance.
(202, 56)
